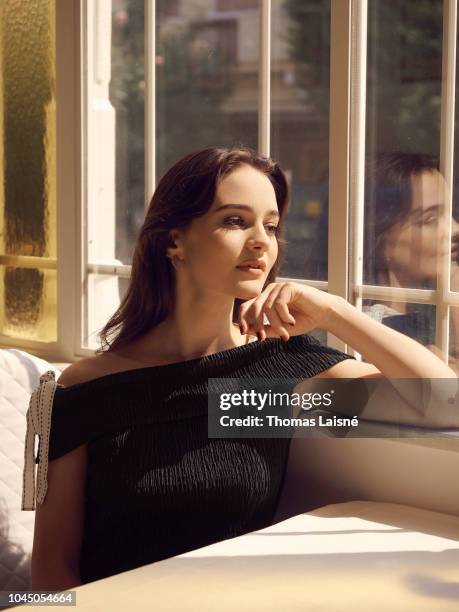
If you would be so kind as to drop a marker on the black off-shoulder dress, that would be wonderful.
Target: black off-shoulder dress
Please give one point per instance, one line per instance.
(157, 485)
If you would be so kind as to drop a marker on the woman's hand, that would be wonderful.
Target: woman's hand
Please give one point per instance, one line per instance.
(292, 309)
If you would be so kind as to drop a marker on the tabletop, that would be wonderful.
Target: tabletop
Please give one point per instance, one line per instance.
(351, 556)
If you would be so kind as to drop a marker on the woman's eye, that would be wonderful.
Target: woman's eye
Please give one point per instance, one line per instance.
(235, 221)
(430, 219)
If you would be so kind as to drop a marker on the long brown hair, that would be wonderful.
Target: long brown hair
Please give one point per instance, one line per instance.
(184, 193)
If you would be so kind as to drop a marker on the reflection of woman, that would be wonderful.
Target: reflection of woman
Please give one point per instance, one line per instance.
(405, 237)
(133, 475)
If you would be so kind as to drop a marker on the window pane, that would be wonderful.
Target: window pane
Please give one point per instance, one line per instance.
(207, 78)
(300, 106)
(28, 165)
(127, 87)
(404, 192)
(29, 298)
(405, 195)
(414, 320)
(103, 288)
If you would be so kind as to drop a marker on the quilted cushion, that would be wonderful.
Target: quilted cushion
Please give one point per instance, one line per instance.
(19, 375)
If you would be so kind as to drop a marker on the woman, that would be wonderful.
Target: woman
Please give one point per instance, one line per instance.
(405, 239)
(133, 476)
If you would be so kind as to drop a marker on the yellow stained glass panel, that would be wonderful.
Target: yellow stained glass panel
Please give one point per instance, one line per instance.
(27, 167)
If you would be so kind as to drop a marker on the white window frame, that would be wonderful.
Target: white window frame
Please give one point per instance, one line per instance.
(76, 152)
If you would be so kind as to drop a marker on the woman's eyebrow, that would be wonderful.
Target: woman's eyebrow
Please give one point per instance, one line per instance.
(245, 207)
(420, 211)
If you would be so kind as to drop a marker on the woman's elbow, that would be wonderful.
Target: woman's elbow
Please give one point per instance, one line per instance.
(54, 579)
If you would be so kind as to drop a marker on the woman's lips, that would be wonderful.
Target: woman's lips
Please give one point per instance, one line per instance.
(251, 271)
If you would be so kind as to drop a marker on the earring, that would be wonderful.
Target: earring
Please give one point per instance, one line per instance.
(175, 260)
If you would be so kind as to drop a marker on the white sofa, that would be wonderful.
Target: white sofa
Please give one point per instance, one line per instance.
(19, 375)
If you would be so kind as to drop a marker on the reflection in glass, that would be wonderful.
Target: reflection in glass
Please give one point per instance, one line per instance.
(404, 70)
(300, 75)
(414, 320)
(405, 222)
(406, 238)
(403, 235)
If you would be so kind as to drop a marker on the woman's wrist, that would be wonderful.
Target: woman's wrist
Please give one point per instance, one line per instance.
(338, 311)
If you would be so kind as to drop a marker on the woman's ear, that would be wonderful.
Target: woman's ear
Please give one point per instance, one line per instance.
(176, 248)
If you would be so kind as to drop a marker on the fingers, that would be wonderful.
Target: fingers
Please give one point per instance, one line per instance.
(273, 302)
(252, 315)
(280, 302)
(277, 324)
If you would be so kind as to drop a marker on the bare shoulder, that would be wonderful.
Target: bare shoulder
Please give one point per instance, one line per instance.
(85, 369)
(99, 365)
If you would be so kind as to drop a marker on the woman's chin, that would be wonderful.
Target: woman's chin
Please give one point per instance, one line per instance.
(249, 290)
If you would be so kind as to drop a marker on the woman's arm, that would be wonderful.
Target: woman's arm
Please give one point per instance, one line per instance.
(297, 309)
(59, 524)
(430, 402)
(393, 353)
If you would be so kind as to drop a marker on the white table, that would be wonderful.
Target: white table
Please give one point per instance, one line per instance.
(356, 556)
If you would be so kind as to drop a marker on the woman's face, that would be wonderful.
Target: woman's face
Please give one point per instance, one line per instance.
(413, 246)
(240, 225)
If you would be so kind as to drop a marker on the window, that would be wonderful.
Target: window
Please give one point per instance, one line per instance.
(28, 181)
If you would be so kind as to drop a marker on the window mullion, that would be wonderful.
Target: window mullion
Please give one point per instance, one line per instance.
(150, 99)
(357, 148)
(264, 88)
(101, 295)
(446, 166)
(339, 153)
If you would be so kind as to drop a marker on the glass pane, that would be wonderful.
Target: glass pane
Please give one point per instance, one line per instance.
(127, 86)
(104, 290)
(28, 165)
(300, 106)
(29, 297)
(404, 192)
(207, 77)
(414, 320)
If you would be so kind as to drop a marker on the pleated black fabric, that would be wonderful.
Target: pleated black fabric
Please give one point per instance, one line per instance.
(156, 485)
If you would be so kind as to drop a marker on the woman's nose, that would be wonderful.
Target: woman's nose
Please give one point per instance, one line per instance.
(258, 237)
